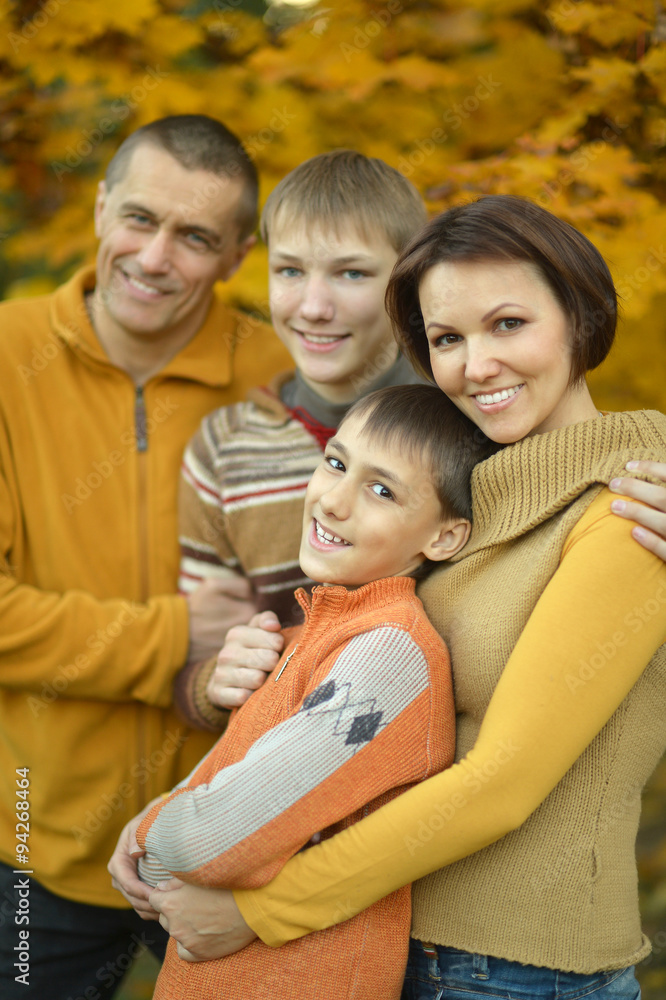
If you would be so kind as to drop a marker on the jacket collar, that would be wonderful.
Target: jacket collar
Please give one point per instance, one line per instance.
(206, 358)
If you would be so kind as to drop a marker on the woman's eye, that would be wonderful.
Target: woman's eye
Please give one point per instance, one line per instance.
(510, 323)
(447, 339)
(352, 273)
(381, 491)
(334, 463)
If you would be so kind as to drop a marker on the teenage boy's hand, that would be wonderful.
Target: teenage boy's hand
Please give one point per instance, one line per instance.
(249, 654)
(652, 534)
(215, 607)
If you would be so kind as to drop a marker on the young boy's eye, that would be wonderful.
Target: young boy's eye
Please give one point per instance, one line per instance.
(334, 463)
(382, 491)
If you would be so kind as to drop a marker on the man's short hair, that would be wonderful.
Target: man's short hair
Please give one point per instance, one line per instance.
(344, 188)
(197, 142)
(423, 422)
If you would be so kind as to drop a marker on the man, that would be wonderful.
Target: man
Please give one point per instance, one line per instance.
(104, 381)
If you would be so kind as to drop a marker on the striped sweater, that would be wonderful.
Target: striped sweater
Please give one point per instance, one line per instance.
(360, 707)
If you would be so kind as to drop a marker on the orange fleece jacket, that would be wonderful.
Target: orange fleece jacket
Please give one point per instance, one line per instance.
(92, 631)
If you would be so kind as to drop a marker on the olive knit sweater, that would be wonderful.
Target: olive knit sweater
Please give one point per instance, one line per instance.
(553, 616)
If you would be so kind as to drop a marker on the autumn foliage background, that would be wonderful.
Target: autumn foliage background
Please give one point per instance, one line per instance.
(563, 102)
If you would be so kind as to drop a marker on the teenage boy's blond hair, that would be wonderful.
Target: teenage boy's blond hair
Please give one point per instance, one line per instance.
(343, 187)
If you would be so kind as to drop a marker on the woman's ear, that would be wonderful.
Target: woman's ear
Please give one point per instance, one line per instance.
(451, 538)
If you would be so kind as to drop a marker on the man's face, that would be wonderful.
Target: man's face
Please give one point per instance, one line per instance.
(327, 305)
(166, 235)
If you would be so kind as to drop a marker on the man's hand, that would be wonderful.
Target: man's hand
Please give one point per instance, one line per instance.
(206, 923)
(123, 869)
(215, 607)
(249, 654)
(652, 534)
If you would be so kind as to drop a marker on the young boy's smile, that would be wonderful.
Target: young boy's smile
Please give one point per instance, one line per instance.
(327, 305)
(371, 511)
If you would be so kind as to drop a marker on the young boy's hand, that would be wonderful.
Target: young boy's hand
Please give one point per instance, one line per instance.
(249, 654)
(123, 868)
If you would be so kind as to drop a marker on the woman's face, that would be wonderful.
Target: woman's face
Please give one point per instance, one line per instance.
(500, 348)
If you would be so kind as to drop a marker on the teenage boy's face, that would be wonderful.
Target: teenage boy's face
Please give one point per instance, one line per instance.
(327, 305)
(370, 512)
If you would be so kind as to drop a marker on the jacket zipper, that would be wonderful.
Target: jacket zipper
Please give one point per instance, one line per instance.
(141, 438)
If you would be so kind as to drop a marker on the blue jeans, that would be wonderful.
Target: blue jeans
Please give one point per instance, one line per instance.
(437, 973)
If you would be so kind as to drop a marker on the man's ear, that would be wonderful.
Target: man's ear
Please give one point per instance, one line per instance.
(451, 538)
(100, 202)
(242, 250)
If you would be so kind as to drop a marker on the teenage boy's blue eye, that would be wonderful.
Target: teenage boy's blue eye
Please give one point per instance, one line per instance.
(289, 272)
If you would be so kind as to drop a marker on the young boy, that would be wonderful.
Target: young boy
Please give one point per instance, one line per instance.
(334, 227)
(359, 706)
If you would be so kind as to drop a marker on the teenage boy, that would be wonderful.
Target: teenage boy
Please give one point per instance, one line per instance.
(360, 705)
(334, 227)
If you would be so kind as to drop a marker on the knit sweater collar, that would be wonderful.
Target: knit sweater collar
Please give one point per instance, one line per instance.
(341, 604)
(525, 483)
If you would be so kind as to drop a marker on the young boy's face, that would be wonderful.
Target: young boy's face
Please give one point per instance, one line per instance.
(371, 512)
(327, 305)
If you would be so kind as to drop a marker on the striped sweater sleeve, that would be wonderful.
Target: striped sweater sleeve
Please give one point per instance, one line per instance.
(205, 548)
(360, 729)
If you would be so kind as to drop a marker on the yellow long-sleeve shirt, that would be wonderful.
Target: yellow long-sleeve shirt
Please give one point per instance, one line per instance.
(555, 742)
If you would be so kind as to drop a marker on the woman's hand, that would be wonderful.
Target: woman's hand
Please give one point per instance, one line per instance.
(652, 519)
(249, 654)
(123, 868)
(206, 923)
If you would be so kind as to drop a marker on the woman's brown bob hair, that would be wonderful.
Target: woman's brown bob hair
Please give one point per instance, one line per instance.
(503, 227)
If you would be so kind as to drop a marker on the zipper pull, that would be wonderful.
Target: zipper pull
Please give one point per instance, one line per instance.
(285, 663)
(140, 422)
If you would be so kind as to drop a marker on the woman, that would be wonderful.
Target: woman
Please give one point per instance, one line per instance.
(553, 616)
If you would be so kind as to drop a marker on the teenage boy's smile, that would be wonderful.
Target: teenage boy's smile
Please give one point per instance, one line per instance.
(327, 304)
